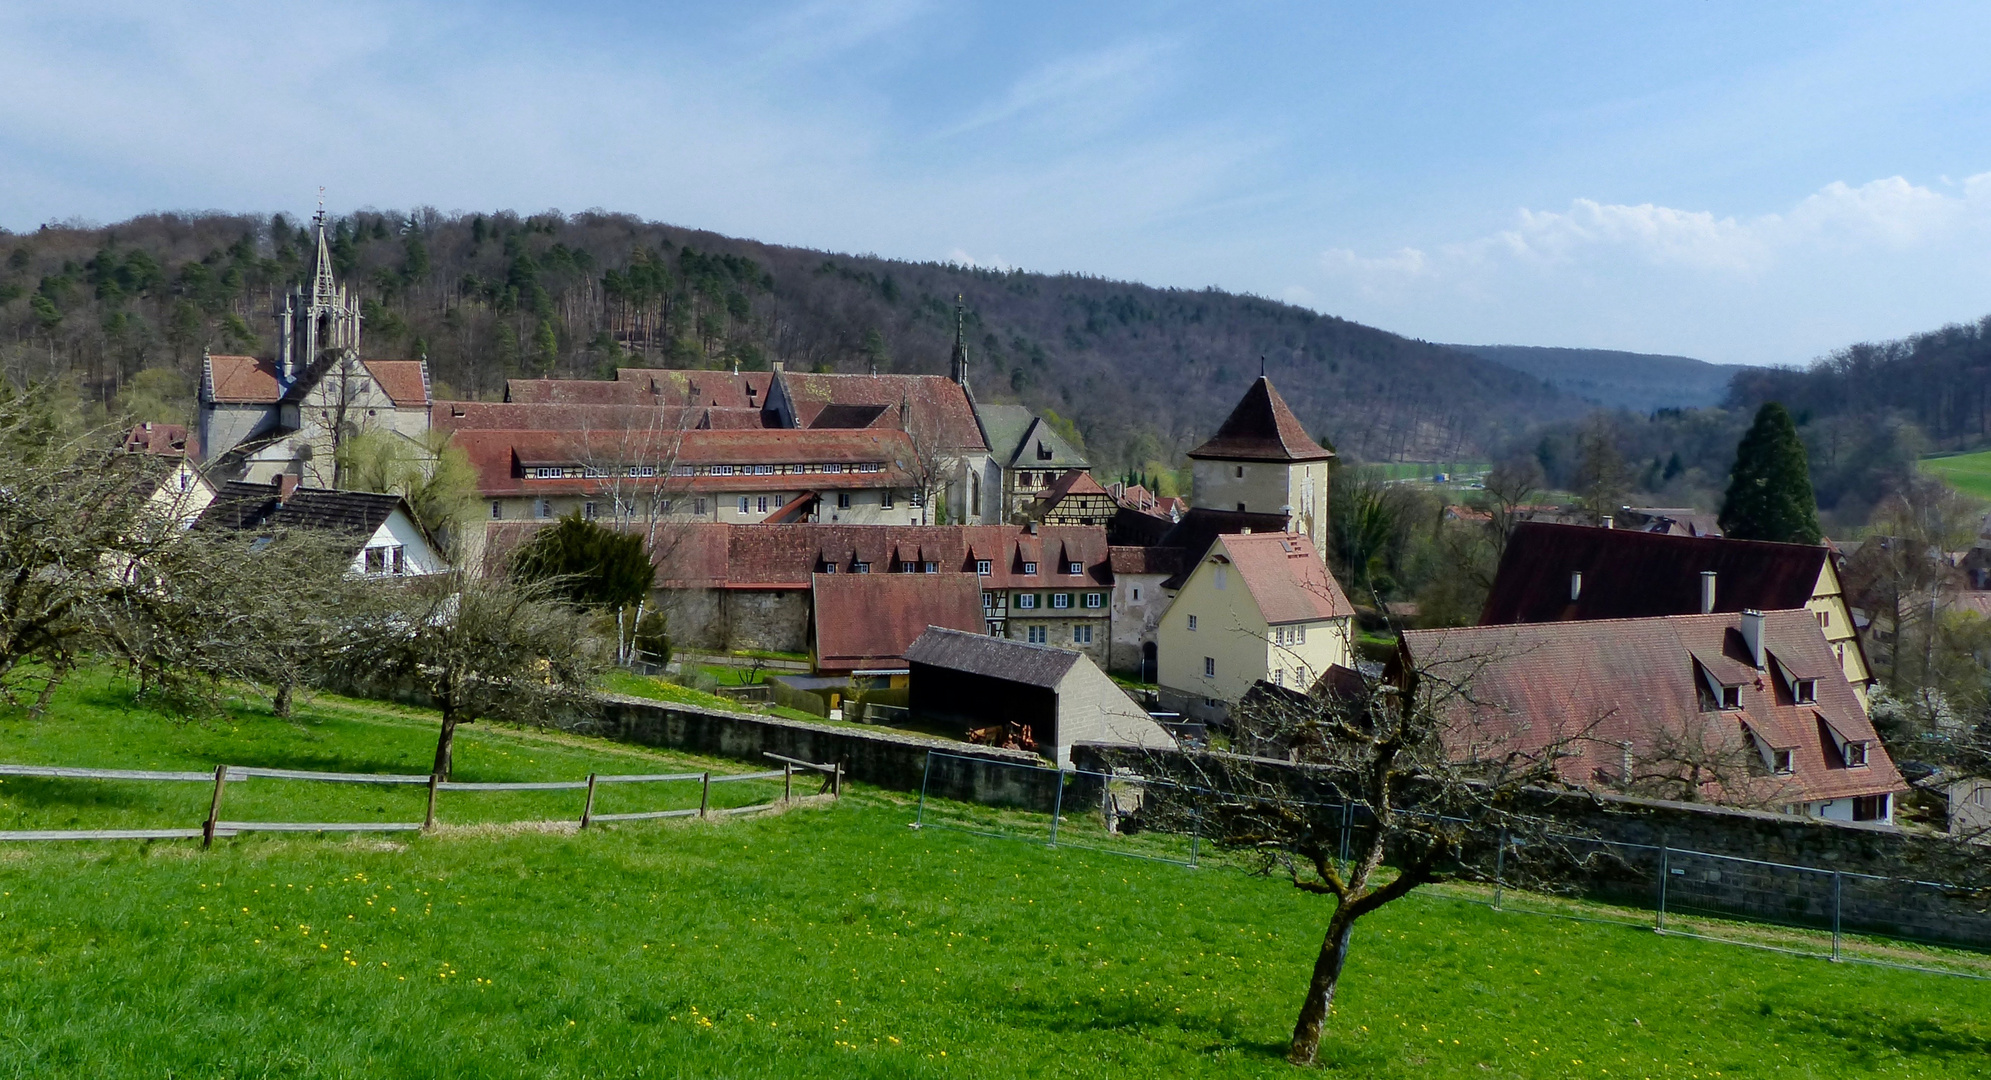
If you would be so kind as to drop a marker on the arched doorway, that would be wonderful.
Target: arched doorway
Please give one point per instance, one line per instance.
(1149, 665)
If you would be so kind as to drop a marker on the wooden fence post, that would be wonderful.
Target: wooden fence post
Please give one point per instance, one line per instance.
(214, 808)
(836, 782)
(588, 808)
(704, 795)
(429, 819)
(787, 782)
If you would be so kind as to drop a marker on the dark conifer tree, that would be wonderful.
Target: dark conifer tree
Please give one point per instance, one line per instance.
(1769, 490)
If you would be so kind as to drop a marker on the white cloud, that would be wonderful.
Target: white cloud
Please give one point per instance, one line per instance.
(1081, 92)
(1778, 287)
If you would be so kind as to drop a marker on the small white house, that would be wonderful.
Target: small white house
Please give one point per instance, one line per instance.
(387, 540)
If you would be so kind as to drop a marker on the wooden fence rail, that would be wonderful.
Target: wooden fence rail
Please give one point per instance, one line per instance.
(223, 775)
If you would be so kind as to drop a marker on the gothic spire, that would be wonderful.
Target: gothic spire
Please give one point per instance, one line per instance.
(958, 369)
(324, 290)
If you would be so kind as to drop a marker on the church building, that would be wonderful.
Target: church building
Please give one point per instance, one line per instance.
(260, 418)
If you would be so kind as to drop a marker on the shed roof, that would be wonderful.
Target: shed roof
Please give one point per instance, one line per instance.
(246, 507)
(994, 657)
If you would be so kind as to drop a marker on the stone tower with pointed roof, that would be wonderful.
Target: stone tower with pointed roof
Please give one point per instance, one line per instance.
(1262, 461)
(317, 317)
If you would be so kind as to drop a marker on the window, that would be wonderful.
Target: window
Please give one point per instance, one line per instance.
(988, 601)
(917, 499)
(548, 472)
(860, 568)
(1039, 635)
(1240, 472)
(743, 504)
(1222, 577)
(642, 470)
(763, 470)
(684, 470)
(400, 562)
(593, 472)
(1192, 622)
(1209, 667)
(833, 468)
(1856, 755)
(906, 568)
(722, 470)
(984, 567)
(1082, 634)
(497, 510)
(829, 568)
(1300, 635)
(1027, 601)
(545, 508)
(588, 510)
(1870, 807)
(843, 500)
(1780, 761)
(929, 568)
(885, 500)
(663, 507)
(385, 560)
(1095, 600)
(1240, 508)
(1061, 600)
(761, 504)
(698, 507)
(1824, 619)
(1278, 676)
(1731, 697)
(1137, 594)
(1074, 569)
(1030, 568)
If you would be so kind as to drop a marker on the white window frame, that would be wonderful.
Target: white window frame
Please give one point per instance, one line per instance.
(1209, 667)
(1030, 569)
(1061, 600)
(1026, 602)
(1192, 624)
(984, 567)
(1095, 600)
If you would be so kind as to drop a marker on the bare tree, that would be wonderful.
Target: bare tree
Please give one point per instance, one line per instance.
(479, 646)
(1432, 790)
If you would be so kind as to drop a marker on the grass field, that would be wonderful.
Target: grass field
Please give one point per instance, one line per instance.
(1413, 470)
(1968, 473)
(824, 941)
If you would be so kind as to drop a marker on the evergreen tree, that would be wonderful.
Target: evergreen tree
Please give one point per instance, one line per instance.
(1769, 491)
(587, 565)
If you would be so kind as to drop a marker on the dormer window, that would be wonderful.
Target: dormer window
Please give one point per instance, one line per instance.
(984, 567)
(930, 568)
(1856, 754)
(860, 568)
(1030, 568)
(1780, 762)
(1731, 697)
(1804, 691)
(907, 568)
(1043, 451)
(1074, 569)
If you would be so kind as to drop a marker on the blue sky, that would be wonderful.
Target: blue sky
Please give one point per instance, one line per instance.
(1743, 182)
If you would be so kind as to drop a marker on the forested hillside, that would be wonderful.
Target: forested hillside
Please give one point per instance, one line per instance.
(1144, 373)
(1640, 382)
(1940, 381)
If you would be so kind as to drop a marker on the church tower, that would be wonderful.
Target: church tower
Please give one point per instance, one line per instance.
(315, 318)
(1262, 461)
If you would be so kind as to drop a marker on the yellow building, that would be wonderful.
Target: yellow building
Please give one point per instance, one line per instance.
(1257, 606)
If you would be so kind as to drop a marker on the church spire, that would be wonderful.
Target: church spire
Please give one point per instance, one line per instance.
(324, 288)
(958, 368)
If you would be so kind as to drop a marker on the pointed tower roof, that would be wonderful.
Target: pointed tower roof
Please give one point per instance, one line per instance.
(324, 288)
(958, 363)
(1262, 428)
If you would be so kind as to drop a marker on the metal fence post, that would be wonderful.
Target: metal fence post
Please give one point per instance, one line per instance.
(1838, 883)
(1499, 870)
(1058, 805)
(1665, 868)
(919, 819)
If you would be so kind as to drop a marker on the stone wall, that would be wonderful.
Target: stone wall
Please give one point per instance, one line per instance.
(1719, 860)
(971, 773)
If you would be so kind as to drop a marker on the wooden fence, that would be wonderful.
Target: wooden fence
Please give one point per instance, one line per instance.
(215, 825)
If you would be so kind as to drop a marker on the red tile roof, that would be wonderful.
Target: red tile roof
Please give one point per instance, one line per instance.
(166, 440)
(500, 458)
(786, 556)
(1145, 560)
(1629, 574)
(870, 620)
(405, 382)
(1072, 482)
(1262, 428)
(238, 380)
(1639, 681)
(647, 386)
(1287, 579)
(937, 404)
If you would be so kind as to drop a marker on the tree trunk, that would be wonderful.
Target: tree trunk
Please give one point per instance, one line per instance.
(1320, 991)
(445, 743)
(282, 703)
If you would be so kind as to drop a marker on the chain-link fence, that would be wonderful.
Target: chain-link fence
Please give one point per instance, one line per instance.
(1802, 910)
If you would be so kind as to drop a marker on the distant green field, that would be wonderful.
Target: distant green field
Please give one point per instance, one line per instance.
(1968, 473)
(1425, 470)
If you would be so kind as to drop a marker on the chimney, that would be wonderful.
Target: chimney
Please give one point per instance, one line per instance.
(286, 487)
(1752, 636)
(1609, 522)
(1707, 591)
(778, 366)
(1575, 585)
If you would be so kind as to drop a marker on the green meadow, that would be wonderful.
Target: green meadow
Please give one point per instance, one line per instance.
(1968, 473)
(828, 939)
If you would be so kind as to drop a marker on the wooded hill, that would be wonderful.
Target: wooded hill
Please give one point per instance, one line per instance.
(1640, 382)
(1144, 373)
(1939, 381)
